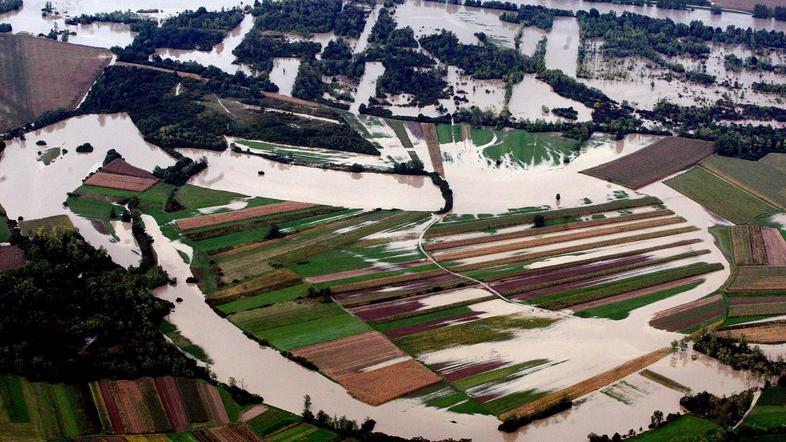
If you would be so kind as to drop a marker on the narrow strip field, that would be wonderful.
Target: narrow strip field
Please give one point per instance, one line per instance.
(756, 177)
(689, 315)
(654, 162)
(432, 141)
(758, 279)
(239, 215)
(759, 333)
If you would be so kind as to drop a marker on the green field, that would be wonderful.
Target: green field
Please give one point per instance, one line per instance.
(295, 324)
(447, 133)
(530, 149)
(621, 310)
(401, 133)
(481, 136)
(496, 328)
(95, 209)
(757, 177)
(195, 197)
(269, 298)
(685, 427)
(719, 196)
(770, 410)
(28, 227)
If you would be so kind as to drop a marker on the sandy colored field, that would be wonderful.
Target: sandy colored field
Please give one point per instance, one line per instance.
(544, 230)
(153, 68)
(289, 99)
(432, 141)
(390, 382)
(38, 74)
(656, 161)
(747, 5)
(558, 239)
(573, 249)
(756, 278)
(239, 215)
(122, 182)
(767, 333)
(589, 385)
(350, 355)
(11, 257)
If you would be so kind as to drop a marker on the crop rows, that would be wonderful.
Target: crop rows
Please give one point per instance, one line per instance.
(689, 315)
(498, 222)
(239, 215)
(758, 278)
(764, 333)
(654, 162)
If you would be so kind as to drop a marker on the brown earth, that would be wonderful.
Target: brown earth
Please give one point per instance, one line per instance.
(767, 333)
(348, 356)
(122, 182)
(758, 278)
(38, 74)
(432, 141)
(11, 257)
(387, 383)
(654, 162)
(239, 215)
(120, 167)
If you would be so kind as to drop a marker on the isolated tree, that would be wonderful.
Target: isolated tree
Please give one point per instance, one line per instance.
(539, 221)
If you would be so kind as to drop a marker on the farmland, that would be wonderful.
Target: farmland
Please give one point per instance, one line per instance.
(40, 75)
(161, 408)
(720, 196)
(759, 333)
(770, 410)
(755, 177)
(647, 166)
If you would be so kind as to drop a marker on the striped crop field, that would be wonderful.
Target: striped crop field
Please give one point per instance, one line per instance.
(689, 315)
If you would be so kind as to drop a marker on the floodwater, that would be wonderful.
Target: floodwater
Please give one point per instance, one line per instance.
(239, 173)
(283, 383)
(30, 189)
(284, 73)
(367, 87)
(122, 247)
(221, 54)
(480, 187)
(530, 95)
(562, 48)
(427, 18)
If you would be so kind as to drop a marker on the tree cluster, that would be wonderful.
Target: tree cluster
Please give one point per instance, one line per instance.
(311, 16)
(258, 49)
(764, 11)
(71, 314)
(9, 5)
(739, 355)
(538, 16)
(124, 17)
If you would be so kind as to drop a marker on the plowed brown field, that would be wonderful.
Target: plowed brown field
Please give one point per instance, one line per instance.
(387, 383)
(38, 74)
(654, 162)
(239, 215)
(350, 355)
(122, 182)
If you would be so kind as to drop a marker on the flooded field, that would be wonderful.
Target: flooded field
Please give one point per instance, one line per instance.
(221, 54)
(33, 190)
(239, 173)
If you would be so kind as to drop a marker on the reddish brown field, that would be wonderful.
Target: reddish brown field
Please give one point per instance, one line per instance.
(289, 99)
(350, 355)
(173, 404)
(747, 5)
(432, 141)
(240, 215)
(775, 246)
(122, 182)
(635, 294)
(38, 74)
(387, 383)
(127, 397)
(213, 404)
(766, 333)
(120, 167)
(688, 314)
(654, 162)
(11, 257)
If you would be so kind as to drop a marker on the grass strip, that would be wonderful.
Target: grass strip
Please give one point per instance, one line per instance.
(663, 380)
(620, 310)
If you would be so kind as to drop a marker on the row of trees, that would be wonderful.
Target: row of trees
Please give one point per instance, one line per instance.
(538, 16)
(763, 11)
(125, 17)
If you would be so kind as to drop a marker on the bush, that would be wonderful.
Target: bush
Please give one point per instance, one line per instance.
(539, 221)
(84, 148)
